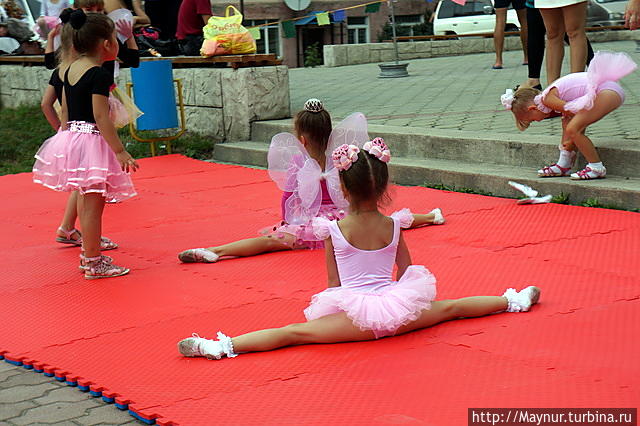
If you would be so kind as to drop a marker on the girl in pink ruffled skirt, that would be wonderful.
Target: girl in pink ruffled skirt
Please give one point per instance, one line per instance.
(582, 98)
(301, 167)
(86, 155)
(362, 301)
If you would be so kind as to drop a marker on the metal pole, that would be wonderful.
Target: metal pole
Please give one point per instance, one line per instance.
(242, 7)
(393, 28)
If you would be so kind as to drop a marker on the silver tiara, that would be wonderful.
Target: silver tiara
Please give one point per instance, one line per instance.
(313, 105)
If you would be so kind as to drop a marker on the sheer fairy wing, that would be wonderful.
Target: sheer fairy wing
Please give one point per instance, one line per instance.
(304, 203)
(332, 179)
(353, 130)
(285, 158)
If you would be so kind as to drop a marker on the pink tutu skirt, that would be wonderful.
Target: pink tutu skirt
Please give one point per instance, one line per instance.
(304, 236)
(82, 161)
(605, 69)
(383, 308)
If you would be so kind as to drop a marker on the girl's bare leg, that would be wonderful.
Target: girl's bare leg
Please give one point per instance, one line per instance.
(605, 102)
(422, 219)
(254, 246)
(339, 328)
(334, 328)
(90, 207)
(70, 215)
(554, 24)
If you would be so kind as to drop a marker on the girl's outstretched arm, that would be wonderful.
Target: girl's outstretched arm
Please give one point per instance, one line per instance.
(333, 278)
(48, 99)
(403, 257)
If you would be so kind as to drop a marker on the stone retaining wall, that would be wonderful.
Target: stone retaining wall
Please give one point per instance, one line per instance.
(220, 102)
(352, 54)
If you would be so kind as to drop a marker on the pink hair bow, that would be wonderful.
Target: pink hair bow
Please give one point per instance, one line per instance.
(379, 149)
(344, 156)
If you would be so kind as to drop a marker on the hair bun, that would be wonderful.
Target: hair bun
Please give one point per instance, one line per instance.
(77, 18)
(65, 15)
(314, 105)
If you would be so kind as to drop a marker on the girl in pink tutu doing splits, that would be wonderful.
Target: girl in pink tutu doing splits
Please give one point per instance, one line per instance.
(86, 155)
(301, 167)
(582, 98)
(362, 302)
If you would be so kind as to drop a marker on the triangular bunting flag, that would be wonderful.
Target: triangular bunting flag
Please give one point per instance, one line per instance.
(323, 18)
(289, 29)
(372, 8)
(338, 15)
(255, 33)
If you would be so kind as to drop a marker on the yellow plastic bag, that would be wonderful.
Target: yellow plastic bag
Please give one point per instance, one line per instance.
(225, 35)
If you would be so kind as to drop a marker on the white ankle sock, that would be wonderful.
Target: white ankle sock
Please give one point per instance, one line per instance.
(596, 166)
(566, 158)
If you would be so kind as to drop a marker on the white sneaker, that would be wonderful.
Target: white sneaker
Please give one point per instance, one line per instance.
(521, 301)
(439, 218)
(199, 346)
(200, 255)
(208, 348)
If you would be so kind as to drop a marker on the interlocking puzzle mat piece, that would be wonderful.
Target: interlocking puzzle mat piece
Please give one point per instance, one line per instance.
(117, 337)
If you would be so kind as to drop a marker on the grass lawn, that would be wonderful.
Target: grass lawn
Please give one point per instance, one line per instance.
(23, 130)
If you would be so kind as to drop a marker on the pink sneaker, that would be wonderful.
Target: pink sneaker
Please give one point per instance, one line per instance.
(101, 267)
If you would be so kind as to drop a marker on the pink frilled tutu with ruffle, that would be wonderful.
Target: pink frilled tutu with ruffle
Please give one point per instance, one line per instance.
(304, 234)
(383, 308)
(368, 295)
(82, 161)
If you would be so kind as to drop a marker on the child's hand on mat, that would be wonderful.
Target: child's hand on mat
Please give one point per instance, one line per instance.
(127, 162)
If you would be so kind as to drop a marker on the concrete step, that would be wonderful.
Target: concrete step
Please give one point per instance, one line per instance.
(615, 190)
(518, 149)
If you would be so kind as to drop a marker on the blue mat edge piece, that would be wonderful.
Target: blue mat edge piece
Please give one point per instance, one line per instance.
(141, 418)
(121, 407)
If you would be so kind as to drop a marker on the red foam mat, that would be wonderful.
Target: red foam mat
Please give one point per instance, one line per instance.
(118, 336)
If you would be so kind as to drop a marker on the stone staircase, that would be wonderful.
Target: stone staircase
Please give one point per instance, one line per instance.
(484, 163)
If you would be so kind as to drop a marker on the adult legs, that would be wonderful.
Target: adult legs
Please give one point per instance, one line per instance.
(524, 32)
(498, 34)
(575, 16)
(535, 45)
(554, 25)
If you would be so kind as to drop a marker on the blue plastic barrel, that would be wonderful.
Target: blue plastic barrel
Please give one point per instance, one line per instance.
(154, 95)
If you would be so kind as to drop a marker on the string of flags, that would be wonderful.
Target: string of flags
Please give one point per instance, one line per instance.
(323, 18)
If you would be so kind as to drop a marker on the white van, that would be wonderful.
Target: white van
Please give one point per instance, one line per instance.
(475, 17)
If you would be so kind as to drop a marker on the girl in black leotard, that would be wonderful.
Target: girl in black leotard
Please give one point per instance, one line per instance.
(86, 155)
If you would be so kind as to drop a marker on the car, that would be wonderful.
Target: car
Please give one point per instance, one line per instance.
(474, 17)
(603, 13)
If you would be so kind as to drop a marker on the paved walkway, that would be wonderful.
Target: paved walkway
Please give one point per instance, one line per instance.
(28, 398)
(455, 92)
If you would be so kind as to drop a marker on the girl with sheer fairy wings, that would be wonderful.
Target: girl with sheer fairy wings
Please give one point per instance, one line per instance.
(301, 167)
(362, 301)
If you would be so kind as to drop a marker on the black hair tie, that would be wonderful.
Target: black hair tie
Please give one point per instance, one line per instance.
(77, 19)
(65, 15)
